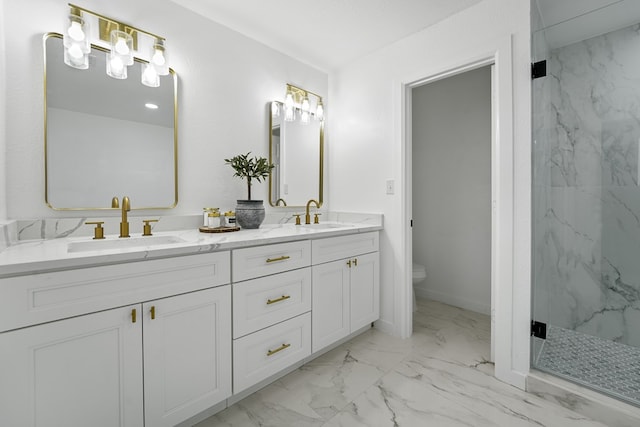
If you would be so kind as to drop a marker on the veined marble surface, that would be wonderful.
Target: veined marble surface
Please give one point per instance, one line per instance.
(586, 193)
(31, 256)
(438, 377)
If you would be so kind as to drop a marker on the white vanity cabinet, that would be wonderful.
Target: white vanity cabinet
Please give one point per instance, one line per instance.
(271, 305)
(83, 371)
(346, 286)
(187, 355)
(99, 368)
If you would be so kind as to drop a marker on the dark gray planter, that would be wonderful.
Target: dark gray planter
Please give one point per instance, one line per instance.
(250, 213)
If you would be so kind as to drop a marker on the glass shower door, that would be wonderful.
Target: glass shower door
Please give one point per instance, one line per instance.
(586, 195)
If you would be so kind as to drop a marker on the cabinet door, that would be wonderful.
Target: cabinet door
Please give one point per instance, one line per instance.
(83, 371)
(365, 290)
(187, 355)
(330, 303)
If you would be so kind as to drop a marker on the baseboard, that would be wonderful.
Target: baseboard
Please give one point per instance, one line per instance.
(453, 300)
(385, 326)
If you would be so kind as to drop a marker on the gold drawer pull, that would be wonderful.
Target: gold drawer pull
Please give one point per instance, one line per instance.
(282, 347)
(282, 298)
(280, 258)
(355, 262)
(153, 312)
(133, 315)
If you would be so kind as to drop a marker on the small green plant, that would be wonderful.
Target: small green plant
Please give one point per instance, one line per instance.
(257, 168)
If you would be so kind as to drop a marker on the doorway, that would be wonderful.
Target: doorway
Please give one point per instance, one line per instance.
(450, 143)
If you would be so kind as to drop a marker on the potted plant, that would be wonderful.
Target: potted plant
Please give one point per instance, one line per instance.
(250, 213)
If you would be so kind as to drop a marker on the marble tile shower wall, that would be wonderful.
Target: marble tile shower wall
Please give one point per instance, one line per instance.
(587, 216)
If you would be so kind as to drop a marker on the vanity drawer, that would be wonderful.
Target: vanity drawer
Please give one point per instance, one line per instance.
(335, 248)
(265, 301)
(44, 297)
(267, 352)
(249, 263)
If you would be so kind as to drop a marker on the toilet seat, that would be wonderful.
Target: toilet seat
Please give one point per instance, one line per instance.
(419, 272)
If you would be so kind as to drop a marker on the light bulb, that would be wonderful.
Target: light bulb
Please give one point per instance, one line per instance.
(75, 31)
(121, 46)
(150, 76)
(158, 57)
(75, 52)
(288, 101)
(320, 112)
(305, 104)
(116, 67)
(289, 114)
(116, 64)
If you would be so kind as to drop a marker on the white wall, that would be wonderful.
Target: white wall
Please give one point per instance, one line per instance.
(367, 144)
(3, 163)
(225, 83)
(452, 189)
(149, 160)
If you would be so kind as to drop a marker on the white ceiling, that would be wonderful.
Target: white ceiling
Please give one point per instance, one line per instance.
(571, 21)
(329, 33)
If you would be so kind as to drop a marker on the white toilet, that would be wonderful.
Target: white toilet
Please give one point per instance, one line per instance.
(419, 274)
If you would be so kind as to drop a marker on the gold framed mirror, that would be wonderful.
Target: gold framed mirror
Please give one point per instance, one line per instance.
(296, 150)
(103, 136)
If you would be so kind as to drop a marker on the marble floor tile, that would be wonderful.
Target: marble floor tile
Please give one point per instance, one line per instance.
(439, 377)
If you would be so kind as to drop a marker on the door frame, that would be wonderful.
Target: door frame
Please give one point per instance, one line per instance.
(490, 62)
(508, 349)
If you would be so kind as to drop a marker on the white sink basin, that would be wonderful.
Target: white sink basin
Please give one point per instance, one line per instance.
(124, 243)
(326, 225)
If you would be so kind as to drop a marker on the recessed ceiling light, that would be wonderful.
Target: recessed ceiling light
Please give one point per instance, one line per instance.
(151, 106)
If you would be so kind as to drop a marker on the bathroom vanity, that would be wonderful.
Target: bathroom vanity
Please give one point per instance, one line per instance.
(168, 331)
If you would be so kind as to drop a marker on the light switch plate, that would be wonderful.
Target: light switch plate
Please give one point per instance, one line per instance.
(391, 186)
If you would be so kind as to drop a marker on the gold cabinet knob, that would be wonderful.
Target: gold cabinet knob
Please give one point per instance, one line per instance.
(146, 229)
(98, 232)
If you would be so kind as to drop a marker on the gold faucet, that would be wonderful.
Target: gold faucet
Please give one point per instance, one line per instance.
(281, 200)
(307, 217)
(124, 224)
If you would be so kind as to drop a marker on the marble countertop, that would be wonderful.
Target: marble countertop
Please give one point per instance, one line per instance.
(34, 256)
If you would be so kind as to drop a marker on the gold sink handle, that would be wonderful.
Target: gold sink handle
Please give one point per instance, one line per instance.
(146, 229)
(98, 232)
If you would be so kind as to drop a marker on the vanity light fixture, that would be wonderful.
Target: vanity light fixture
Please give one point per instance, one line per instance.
(122, 40)
(297, 98)
(76, 41)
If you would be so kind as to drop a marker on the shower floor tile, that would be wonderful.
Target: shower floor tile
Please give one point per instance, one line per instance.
(594, 362)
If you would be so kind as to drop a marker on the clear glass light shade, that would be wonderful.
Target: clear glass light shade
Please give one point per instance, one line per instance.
(320, 111)
(116, 67)
(289, 114)
(305, 117)
(75, 57)
(150, 76)
(275, 109)
(122, 46)
(304, 105)
(288, 100)
(76, 43)
(158, 58)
